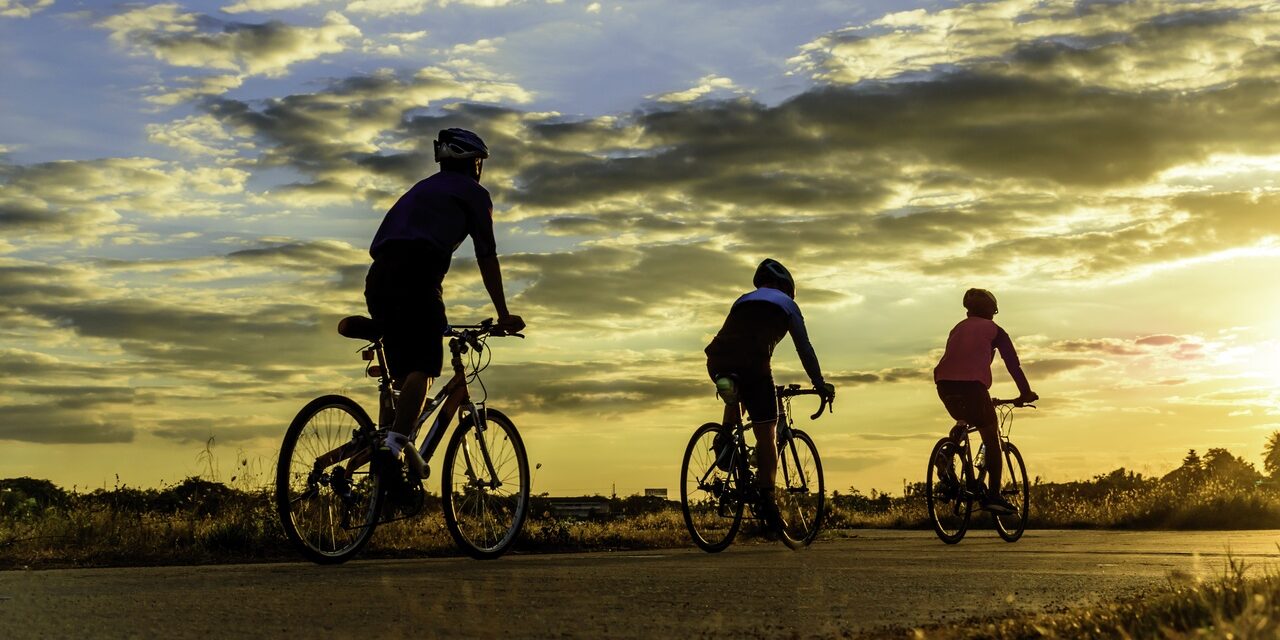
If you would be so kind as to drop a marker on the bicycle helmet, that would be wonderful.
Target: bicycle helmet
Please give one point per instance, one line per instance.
(981, 302)
(772, 273)
(459, 144)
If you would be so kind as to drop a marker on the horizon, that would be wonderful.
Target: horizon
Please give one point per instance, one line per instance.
(188, 191)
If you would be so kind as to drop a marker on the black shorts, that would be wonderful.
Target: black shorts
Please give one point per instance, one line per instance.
(404, 294)
(968, 400)
(755, 391)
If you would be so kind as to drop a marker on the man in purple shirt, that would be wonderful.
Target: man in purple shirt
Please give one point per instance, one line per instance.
(411, 254)
(963, 377)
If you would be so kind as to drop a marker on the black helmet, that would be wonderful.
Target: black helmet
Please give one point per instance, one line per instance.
(460, 144)
(981, 302)
(772, 273)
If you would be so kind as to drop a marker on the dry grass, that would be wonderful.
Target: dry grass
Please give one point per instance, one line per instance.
(1233, 606)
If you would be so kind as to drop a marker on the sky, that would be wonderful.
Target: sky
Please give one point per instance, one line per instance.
(188, 190)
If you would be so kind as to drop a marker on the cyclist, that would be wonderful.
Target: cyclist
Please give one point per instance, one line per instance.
(963, 377)
(411, 253)
(738, 360)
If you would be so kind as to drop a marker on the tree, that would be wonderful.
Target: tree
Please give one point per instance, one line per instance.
(1230, 470)
(1271, 455)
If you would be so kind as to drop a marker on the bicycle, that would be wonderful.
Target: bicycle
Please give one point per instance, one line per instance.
(332, 492)
(951, 499)
(718, 483)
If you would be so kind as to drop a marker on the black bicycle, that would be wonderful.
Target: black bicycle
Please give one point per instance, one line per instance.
(332, 492)
(957, 480)
(718, 478)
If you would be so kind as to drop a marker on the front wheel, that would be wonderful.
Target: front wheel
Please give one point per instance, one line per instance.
(1015, 489)
(710, 498)
(486, 485)
(949, 507)
(802, 496)
(327, 500)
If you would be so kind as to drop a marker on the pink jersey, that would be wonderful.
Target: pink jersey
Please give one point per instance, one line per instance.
(972, 347)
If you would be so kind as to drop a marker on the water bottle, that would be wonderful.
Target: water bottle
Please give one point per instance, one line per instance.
(981, 460)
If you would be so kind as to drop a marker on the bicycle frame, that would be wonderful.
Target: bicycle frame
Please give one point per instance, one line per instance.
(733, 420)
(454, 397)
(1004, 426)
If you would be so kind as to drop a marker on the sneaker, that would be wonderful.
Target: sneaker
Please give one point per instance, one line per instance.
(998, 505)
(767, 508)
(721, 446)
(946, 471)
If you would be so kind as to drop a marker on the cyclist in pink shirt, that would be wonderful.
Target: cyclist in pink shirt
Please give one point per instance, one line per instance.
(963, 377)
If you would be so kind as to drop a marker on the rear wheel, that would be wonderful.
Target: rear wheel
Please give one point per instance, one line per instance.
(710, 497)
(802, 494)
(1015, 489)
(486, 486)
(329, 512)
(949, 509)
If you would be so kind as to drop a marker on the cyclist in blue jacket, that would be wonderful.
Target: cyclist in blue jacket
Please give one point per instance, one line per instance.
(742, 352)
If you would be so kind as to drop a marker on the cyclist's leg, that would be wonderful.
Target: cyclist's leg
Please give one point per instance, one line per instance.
(984, 417)
(762, 408)
(413, 323)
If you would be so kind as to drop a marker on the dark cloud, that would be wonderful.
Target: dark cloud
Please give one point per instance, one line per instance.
(62, 423)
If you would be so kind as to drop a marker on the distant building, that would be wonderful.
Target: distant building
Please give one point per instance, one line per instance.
(658, 493)
(583, 508)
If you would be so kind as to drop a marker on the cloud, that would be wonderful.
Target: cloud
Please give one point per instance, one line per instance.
(23, 8)
(81, 201)
(705, 86)
(1141, 45)
(178, 38)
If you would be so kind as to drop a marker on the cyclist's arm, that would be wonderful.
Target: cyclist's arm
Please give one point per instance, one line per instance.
(1004, 344)
(800, 336)
(491, 273)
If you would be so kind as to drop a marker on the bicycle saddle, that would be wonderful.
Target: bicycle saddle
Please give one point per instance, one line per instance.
(360, 328)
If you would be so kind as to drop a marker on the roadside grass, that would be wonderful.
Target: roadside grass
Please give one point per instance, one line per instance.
(1233, 606)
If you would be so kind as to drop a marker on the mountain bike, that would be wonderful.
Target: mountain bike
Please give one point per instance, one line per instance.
(717, 478)
(332, 492)
(956, 480)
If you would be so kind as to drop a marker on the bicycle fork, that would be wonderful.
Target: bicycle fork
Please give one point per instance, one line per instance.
(479, 419)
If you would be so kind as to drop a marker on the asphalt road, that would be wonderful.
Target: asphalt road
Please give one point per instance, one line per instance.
(834, 588)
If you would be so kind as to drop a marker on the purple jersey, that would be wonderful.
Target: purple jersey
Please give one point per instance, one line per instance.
(971, 347)
(440, 212)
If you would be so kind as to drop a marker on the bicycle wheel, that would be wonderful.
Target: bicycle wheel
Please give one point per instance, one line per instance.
(802, 495)
(709, 495)
(485, 490)
(949, 510)
(328, 513)
(1015, 489)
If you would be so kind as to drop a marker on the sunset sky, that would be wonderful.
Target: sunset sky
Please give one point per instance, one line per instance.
(188, 190)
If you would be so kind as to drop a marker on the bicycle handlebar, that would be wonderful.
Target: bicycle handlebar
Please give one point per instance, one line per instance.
(793, 390)
(1014, 402)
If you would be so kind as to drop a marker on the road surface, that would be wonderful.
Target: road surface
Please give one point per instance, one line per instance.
(835, 588)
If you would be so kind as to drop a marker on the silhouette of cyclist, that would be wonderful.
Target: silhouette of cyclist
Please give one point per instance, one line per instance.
(963, 377)
(738, 359)
(411, 253)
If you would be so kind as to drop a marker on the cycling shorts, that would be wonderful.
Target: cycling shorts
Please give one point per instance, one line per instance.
(755, 392)
(968, 400)
(404, 293)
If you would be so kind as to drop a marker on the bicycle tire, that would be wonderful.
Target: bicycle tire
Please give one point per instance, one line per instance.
(941, 497)
(1015, 489)
(307, 510)
(468, 503)
(802, 509)
(703, 503)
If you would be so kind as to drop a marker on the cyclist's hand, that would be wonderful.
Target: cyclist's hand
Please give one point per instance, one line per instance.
(827, 392)
(1027, 398)
(510, 323)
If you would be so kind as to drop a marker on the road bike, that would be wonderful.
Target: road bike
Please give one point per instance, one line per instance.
(332, 492)
(955, 481)
(717, 478)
